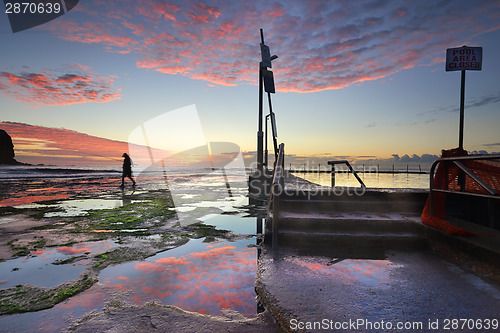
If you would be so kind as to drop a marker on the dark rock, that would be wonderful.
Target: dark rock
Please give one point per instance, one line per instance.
(7, 149)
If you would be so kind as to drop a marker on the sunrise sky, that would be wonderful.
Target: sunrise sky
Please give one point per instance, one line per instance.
(363, 79)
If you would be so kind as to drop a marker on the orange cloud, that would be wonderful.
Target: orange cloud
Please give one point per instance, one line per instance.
(71, 251)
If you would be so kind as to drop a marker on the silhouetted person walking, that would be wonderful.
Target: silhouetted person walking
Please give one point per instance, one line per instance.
(127, 169)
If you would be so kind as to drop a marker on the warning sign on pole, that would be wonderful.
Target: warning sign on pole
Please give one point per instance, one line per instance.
(464, 58)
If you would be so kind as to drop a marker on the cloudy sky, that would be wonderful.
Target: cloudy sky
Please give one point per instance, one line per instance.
(353, 78)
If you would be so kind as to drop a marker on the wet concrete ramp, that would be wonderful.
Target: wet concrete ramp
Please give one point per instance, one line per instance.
(367, 264)
(415, 288)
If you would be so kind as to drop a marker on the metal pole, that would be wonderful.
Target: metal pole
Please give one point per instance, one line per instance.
(283, 162)
(260, 134)
(462, 99)
(461, 175)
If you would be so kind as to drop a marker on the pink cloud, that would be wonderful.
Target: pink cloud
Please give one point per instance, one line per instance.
(399, 12)
(213, 253)
(220, 276)
(173, 261)
(91, 33)
(173, 69)
(321, 45)
(71, 251)
(37, 144)
(149, 267)
(166, 10)
(57, 88)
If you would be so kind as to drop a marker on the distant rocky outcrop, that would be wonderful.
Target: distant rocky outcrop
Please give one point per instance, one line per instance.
(7, 149)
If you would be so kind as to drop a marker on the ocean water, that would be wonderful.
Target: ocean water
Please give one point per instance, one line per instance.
(157, 176)
(20, 185)
(371, 180)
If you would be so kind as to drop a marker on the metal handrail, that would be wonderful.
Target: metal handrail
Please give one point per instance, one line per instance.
(275, 192)
(333, 163)
(456, 160)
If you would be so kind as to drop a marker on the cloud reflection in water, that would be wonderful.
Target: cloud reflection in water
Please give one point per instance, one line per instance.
(201, 277)
(370, 273)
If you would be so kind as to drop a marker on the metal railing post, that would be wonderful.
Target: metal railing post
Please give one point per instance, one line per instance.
(333, 163)
(431, 186)
(277, 187)
(275, 216)
(333, 175)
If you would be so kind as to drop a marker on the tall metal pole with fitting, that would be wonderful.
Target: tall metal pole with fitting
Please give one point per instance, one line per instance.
(260, 134)
(265, 77)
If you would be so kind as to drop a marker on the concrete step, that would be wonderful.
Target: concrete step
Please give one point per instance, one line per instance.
(350, 240)
(361, 223)
(351, 192)
(376, 201)
(354, 205)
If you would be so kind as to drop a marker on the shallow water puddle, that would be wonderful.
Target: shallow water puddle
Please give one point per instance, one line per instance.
(80, 207)
(225, 204)
(191, 209)
(198, 276)
(39, 269)
(367, 272)
(57, 318)
(235, 223)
